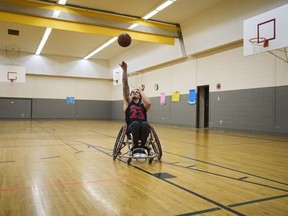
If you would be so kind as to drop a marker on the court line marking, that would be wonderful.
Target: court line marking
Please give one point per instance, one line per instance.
(205, 198)
(241, 133)
(194, 193)
(7, 161)
(234, 205)
(63, 184)
(187, 190)
(200, 212)
(50, 157)
(239, 171)
(258, 200)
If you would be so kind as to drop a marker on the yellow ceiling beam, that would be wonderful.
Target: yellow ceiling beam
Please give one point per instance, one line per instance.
(102, 15)
(80, 27)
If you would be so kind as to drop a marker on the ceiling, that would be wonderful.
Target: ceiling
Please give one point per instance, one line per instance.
(63, 42)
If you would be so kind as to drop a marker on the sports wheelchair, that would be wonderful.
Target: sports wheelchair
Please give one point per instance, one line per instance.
(124, 147)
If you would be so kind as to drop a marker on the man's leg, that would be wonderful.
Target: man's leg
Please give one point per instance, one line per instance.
(134, 127)
(145, 129)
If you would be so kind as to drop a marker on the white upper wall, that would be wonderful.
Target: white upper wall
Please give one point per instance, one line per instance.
(58, 88)
(58, 65)
(222, 24)
(147, 55)
(218, 26)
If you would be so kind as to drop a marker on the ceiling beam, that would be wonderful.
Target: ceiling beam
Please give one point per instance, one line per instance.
(77, 20)
(82, 28)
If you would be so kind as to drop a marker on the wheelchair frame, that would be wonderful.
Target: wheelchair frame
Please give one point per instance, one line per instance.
(123, 142)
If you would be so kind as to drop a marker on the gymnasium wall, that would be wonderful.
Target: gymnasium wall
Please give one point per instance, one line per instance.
(43, 96)
(253, 94)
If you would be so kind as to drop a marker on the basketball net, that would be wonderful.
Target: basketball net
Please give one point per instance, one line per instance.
(259, 44)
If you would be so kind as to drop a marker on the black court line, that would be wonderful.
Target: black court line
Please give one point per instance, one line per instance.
(234, 205)
(228, 177)
(258, 200)
(244, 134)
(200, 212)
(44, 129)
(7, 161)
(194, 193)
(220, 206)
(50, 157)
(239, 171)
(242, 178)
(98, 149)
(78, 152)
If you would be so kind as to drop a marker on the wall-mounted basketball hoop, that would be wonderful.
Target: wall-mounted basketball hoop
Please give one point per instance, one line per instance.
(259, 44)
(259, 41)
(12, 76)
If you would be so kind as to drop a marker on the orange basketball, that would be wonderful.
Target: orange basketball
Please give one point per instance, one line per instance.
(124, 40)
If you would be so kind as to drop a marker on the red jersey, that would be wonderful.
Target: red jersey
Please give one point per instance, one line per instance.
(135, 112)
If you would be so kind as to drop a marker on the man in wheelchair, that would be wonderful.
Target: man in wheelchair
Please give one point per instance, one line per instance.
(136, 104)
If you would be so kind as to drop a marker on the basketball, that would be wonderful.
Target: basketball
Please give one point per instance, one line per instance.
(124, 40)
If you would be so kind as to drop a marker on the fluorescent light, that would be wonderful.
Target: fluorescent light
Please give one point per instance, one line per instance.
(159, 8)
(56, 13)
(147, 16)
(164, 5)
(100, 48)
(133, 26)
(62, 2)
(43, 41)
(152, 13)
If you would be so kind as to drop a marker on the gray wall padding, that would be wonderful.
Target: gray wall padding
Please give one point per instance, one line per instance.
(255, 110)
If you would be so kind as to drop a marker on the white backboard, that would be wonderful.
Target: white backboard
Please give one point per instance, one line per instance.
(12, 73)
(271, 25)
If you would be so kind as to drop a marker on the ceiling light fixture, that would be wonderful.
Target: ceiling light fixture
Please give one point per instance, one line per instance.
(48, 30)
(62, 2)
(159, 8)
(100, 48)
(43, 41)
(149, 15)
(133, 26)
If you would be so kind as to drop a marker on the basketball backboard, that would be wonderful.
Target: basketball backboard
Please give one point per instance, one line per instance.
(117, 76)
(266, 32)
(12, 73)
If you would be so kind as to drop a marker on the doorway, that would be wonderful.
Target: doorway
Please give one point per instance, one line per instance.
(202, 107)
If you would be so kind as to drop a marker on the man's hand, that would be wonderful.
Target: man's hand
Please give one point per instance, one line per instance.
(123, 65)
(142, 87)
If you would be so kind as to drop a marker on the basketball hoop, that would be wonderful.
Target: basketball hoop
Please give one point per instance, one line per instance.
(259, 43)
(12, 76)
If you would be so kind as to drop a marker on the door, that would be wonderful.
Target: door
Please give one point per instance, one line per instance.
(202, 107)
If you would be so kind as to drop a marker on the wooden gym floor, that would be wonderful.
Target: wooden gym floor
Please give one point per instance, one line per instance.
(64, 167)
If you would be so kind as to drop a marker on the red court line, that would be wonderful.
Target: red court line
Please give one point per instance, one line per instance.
(62, 184)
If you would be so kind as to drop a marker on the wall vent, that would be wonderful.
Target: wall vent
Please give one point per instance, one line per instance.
(13, 32)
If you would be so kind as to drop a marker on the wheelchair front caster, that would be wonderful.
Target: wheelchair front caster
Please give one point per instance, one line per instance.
(150, 160)
(129, 161)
